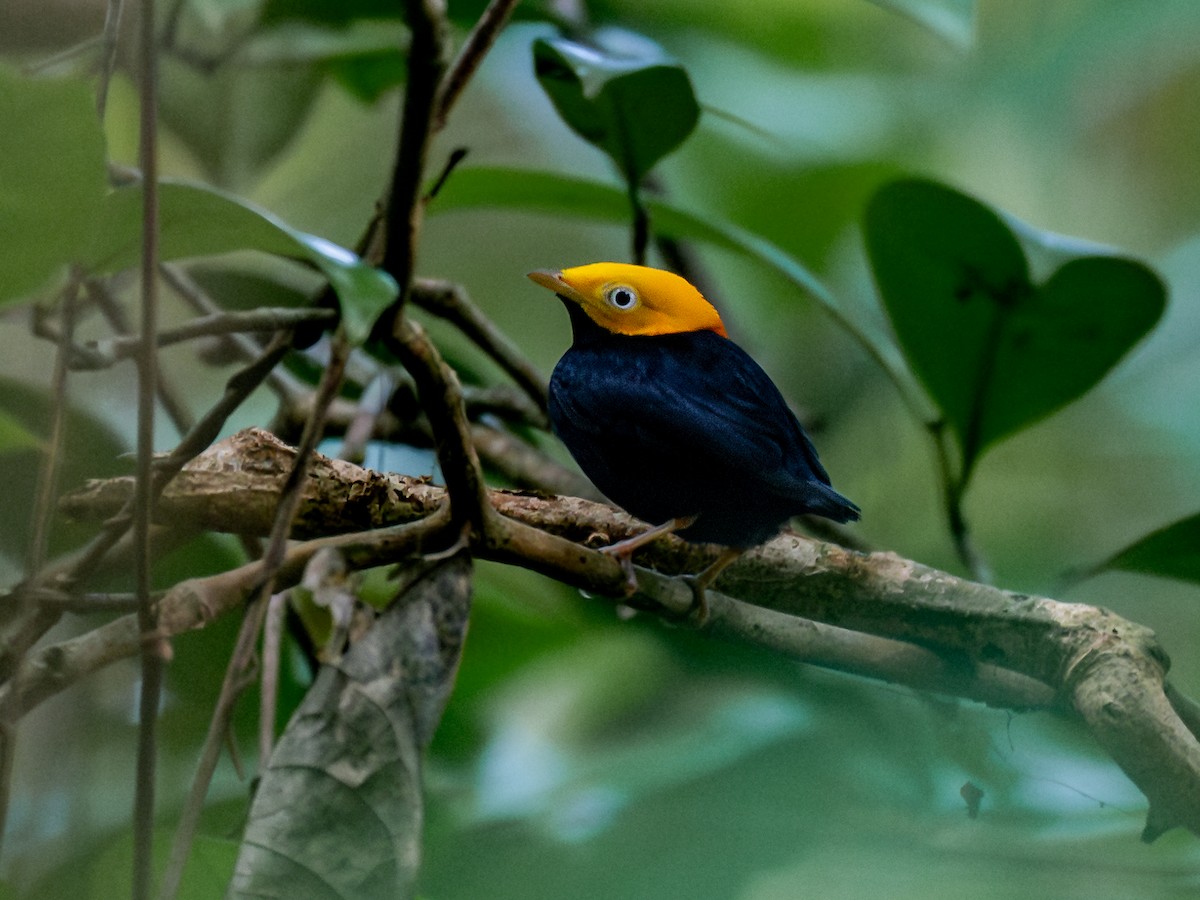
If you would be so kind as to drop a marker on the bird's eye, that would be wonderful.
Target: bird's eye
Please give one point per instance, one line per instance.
(621, 297)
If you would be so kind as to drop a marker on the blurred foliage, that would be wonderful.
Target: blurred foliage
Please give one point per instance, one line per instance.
(636, 105)
(585, 756)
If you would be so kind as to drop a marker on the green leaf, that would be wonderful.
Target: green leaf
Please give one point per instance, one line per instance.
(951, 20)
(15, 436)
(236, 118)
(201, 221)
(365, 56)
(338, 812)
(995, 351)
(636, 108)
(1172, 551)
(52, 177)
(91, 450)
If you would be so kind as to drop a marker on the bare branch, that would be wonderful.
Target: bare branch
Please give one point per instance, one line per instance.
(404, 208)
(441, 397)
(449, 301)
(101, 354)
(153, 651)
(470, 55)
(100, 293)
(239, 663)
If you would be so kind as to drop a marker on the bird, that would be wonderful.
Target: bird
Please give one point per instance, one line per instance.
(674, 422)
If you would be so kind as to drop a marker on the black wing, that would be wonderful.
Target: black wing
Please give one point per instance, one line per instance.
(702, 395)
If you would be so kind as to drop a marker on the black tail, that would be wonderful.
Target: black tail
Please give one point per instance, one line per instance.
(825, 501)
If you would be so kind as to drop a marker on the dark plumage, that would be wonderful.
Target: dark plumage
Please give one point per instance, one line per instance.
(681, 424)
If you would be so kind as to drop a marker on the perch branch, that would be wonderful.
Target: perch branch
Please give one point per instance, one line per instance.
(989, 644)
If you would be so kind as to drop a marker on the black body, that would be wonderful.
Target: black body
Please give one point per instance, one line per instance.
(687, 424)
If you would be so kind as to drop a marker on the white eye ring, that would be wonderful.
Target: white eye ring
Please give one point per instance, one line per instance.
(621, 296)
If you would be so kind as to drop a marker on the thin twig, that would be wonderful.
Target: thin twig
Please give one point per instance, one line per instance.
(367, 414)
(175, 406)
(231, 687)
(108, 352)
(404, 207)
(483, 35)
(63, 56)
(441, 398)
(48, 472)
(524, 466)
(953, 488)
(153, 648)
(449, 301)
(108, 59)
(242, 344)
(457, 155)
(273, 558)
(269, 694)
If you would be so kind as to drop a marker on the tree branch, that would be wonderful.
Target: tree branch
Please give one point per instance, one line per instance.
(942, 632)
(471, 54)
(449, 301)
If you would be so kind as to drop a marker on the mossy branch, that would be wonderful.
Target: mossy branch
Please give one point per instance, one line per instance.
(874, 614)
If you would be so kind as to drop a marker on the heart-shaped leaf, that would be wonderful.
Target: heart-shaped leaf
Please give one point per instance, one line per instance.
(1173, 552)
(995, 351)
(636, 108)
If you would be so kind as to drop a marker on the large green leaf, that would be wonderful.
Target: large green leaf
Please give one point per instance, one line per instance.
(996, 351)
(52, 177)
(1173, 552)
(636, 108)
(201, 221)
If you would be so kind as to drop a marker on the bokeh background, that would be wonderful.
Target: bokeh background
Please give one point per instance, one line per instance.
(585, 755)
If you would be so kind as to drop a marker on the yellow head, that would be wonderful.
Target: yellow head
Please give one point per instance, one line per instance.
(627, 299)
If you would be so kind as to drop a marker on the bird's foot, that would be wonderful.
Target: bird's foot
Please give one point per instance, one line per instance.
(698, 612)
(622, 551)
(624, 557)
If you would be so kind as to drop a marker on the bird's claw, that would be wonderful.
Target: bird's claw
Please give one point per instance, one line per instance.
(624, 558)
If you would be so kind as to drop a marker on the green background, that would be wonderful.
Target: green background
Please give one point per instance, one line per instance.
(586, 756)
